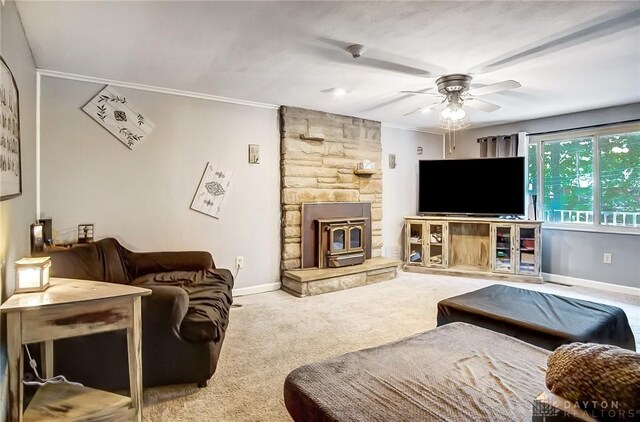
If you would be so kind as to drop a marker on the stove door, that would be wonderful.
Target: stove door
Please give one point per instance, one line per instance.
(338, 240)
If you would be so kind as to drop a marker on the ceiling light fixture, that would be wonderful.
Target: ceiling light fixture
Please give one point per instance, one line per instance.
(338, 92)
(453, 117)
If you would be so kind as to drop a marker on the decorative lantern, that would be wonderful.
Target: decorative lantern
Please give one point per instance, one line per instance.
(32, 274)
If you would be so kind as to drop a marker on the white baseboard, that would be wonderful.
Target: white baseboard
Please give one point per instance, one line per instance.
(243, 291)
(583, 282)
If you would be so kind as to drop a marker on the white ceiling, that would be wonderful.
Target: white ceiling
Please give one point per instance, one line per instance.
(568, 55)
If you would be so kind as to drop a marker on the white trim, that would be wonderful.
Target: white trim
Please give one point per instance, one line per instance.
(38, 94)
(411, 128)
(589, 228)
(262, 288)
(151, 88)
(592, 284)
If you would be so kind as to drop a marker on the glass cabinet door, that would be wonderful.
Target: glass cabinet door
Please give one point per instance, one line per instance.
(415, 252)
(436, 244)
(528, 238)
(502, 242)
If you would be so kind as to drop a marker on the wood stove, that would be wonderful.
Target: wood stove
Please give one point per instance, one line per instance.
(341, 242)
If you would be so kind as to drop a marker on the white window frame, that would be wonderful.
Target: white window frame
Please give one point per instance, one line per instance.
(595, 133)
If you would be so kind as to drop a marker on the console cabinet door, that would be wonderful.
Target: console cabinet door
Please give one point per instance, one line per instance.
(502, 248)
(436, 245)
(415, 250)
(528, 249)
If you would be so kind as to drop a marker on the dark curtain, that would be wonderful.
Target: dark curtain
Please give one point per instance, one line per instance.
(499, 146)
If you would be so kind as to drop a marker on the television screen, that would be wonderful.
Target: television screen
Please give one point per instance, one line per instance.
(481, 186)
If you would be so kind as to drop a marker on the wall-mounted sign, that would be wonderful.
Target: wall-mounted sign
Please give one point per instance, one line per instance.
(212, 189)
(10, 170)
(113, 112)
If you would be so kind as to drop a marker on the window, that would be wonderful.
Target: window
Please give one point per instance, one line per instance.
(588, 178)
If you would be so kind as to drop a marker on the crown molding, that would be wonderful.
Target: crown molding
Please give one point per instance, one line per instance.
(411, 128)
(151, 88)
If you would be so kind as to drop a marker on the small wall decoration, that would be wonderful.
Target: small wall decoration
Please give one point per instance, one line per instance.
(85, 233)
(254, 154)
(392, 161)
(10, 170)
(212, 189)
(419, 151)
(113, 112)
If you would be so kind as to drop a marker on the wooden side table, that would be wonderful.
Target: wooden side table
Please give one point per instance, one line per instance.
(70, 308)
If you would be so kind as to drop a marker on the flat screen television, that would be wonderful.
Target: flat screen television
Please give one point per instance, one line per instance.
(481, 186)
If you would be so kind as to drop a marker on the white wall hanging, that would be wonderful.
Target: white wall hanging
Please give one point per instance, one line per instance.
(212, 189)
(10, 170)
(113, 112)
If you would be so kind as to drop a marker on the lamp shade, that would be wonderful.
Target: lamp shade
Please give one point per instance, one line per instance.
(32, 274)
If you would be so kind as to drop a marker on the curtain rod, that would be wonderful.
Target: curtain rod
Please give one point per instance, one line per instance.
(584, 127)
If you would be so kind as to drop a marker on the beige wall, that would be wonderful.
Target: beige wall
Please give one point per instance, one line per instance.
(142, 196)
(18, 213)
(400, 184)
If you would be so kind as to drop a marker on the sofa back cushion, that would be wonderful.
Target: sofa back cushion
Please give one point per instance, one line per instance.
(80, 262)
(100, 261)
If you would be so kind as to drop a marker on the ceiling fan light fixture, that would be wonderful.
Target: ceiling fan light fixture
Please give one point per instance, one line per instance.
(453, 117)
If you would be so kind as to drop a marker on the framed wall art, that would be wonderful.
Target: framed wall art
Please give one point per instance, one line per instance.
(113, 112)
(211, 191)
(10, 165)
(254, 154)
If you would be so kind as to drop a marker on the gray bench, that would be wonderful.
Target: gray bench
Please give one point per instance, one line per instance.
(541, 319)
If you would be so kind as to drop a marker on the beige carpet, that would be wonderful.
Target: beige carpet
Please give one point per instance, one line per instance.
(273, 333)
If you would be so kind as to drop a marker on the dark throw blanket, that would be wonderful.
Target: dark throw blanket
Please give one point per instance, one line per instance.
(210, 298)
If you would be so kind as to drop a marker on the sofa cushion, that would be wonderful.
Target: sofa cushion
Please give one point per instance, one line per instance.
(597, 377)
(210, 298)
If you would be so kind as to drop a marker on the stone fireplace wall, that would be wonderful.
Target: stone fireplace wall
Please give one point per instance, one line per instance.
(323, 170)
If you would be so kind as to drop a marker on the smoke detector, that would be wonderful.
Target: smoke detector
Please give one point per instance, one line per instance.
(356, 50)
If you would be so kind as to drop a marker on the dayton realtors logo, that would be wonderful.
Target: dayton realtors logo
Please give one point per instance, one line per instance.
(593, 408)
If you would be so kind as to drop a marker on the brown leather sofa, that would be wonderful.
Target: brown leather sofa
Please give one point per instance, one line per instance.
(183, 320)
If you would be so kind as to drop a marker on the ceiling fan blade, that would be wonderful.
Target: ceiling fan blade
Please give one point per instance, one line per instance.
(481, 105)
(497, 87)
(425, 109)
(378, 59)
(425, 92)
(594, 29)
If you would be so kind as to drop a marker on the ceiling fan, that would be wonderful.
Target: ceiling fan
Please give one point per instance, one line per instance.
(455, 90)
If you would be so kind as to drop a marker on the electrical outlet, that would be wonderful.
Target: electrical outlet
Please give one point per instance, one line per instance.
(239, 262)
(606, 258)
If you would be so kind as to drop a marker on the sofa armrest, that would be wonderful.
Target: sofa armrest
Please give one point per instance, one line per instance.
(548, 407)
(142, 263)
(164, 310)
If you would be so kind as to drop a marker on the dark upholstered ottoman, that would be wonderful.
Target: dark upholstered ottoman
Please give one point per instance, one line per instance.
(455, 373)
(542, 319)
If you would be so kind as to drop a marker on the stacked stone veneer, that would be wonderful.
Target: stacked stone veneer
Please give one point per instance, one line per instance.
(323, 171)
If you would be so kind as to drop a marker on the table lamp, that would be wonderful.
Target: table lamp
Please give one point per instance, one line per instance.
(32, 274)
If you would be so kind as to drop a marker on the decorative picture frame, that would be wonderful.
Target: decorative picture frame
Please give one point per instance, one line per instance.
(254, 154)
(10, 149)
(115, 113)
(212, 189)
(392, 161)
